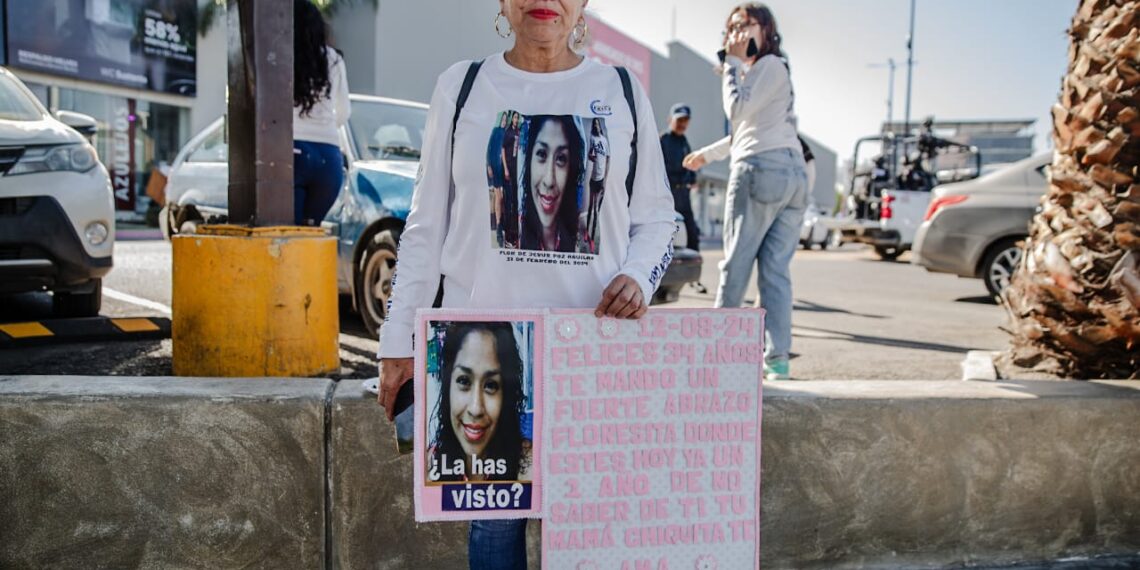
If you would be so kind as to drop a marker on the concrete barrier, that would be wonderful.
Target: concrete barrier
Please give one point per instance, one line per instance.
(929, 474)
(218, 473)
(373, 524)
(162, 473)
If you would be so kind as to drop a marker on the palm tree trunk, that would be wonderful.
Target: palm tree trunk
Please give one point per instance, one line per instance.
(1075, 301)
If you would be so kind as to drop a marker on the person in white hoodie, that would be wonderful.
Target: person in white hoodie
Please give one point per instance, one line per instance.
(557, 97)
(320, 109)
(767, 188)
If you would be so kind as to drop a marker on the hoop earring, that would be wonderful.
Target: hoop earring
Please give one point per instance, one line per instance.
(579, 33)
(498, 29)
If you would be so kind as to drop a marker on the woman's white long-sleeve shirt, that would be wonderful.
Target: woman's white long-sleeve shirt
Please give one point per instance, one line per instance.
(759, 103)
(323, 122)
(449, 230)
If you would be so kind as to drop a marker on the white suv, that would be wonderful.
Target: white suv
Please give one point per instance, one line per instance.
(57, 212)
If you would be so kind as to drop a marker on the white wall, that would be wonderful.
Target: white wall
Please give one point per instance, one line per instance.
(210, 102)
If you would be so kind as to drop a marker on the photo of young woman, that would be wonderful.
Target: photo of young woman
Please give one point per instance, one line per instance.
(598, 165)
(496, 178)
(510, 158)
(553, 174)
(479, 402)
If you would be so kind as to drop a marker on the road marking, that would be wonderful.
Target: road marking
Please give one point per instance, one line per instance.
(135, 325)
(137, 301)
(25, 330)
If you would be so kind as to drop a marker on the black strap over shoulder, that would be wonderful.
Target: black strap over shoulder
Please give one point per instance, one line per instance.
(627, 89)
(461, 100)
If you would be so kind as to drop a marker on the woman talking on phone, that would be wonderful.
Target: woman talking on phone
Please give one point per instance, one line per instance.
(767, 188)
(445, 240)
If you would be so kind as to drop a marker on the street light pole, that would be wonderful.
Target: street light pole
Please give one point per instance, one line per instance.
(909, 68)
(259, 121)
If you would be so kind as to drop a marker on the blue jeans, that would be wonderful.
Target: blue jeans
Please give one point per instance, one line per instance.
(764, 209)
(497, 545)
(318, 173)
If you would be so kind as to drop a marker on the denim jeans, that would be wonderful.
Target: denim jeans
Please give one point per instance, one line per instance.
(497, 545)
(318, 174)
(764, 209)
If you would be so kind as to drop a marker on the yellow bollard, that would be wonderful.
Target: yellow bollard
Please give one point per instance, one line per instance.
(255, 302)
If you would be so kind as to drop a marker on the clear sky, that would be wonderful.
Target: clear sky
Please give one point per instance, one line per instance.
(976, 59)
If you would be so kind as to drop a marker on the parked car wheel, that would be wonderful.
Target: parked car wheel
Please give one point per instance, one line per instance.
(374, 280)
(888, 253)
(78, 305)
(999, 264)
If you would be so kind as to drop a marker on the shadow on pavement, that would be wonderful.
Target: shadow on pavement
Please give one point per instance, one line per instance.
(982, 300)
(128, 358)
(811, 307)
(892, 342)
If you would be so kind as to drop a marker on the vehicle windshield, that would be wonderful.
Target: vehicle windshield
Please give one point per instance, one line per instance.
(386, 131)
(15, 103)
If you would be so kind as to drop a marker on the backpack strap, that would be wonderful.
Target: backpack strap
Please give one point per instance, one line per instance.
(627, 90)
(460, 101)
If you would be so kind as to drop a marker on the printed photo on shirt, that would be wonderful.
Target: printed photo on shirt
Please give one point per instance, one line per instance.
(547, 177)
(480, 402)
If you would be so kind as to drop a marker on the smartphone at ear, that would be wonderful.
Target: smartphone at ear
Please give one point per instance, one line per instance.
(753, 49)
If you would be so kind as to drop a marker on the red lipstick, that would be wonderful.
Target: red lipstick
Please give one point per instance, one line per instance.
(543, 14)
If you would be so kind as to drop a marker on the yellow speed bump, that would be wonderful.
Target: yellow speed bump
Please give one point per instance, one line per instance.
(25, 330)
(135, 325)
(251, 302)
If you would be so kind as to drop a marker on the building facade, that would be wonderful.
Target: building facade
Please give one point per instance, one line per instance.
(152, 79)
(133, 65)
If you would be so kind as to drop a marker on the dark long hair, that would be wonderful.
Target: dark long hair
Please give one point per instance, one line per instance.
(311, 81)
(507, 442)
(768, 30)
(566, 219)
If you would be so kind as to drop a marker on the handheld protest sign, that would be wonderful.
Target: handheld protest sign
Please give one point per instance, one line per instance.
(478, 383)
(652, 440)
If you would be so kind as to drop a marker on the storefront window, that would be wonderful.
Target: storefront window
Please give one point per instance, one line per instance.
(133, 138)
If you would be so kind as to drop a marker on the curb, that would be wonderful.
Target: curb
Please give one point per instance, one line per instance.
(138, 235)
(59, 331)
(979, 365)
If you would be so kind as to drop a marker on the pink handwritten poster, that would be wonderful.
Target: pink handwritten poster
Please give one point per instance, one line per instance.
(651, 441)
(477, 396)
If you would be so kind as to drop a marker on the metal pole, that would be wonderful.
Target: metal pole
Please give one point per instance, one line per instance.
(259, 119)
(891, 92)
(909, 68)
(891, 115)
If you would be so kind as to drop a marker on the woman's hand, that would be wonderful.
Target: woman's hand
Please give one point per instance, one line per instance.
(694, 161)
(622, 300)
(393, 373)
(736, 44)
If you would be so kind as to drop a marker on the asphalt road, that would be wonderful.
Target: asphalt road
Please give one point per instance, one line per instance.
(855, 318)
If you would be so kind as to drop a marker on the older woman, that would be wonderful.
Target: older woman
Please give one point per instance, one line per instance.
(444, 240)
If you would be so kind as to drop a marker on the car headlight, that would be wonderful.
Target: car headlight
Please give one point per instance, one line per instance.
(97, 233)
(64, 158)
